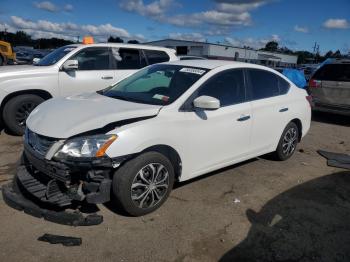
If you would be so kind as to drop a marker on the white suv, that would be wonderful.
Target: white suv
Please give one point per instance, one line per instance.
(168, 122)
(68, 70)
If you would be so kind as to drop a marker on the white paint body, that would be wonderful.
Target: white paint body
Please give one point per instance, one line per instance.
(203, 144)
(58, 83)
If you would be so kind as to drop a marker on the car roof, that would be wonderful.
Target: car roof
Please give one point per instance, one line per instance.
(139, 46)
(211, 64)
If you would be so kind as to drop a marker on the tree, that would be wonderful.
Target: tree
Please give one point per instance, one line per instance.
(337, 54)
(117, 39)
(271, 46)
(133, 42)
(329, 54)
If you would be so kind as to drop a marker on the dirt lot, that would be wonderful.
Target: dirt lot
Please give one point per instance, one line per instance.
(260, 210)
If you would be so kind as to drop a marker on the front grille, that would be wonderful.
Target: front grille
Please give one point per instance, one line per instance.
(40, 144)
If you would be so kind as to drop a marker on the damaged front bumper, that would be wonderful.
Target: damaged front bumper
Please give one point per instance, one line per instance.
(15, 198)
(41, 187)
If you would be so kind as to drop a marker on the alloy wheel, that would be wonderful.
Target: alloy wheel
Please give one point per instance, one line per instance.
(150, 185)
(289, 141)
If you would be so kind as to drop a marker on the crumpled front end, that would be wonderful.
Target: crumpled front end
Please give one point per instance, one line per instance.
(59, 184)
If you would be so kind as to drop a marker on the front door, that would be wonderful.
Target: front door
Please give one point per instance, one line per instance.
(95, 72)
(219, 137)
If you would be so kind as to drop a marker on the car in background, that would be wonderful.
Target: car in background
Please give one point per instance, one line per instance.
(28, 56)
(329, 87)
(168, 122)
(191, 57)
(69, 70)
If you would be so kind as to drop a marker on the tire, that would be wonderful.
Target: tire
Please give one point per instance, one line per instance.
(16, 111)
(137, 201)
(288, 142)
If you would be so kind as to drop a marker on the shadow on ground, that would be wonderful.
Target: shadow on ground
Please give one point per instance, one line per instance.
(329, 118)
(310, 222)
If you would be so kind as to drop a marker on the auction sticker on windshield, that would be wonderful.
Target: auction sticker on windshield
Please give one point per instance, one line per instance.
(161, 97)
(192, 71)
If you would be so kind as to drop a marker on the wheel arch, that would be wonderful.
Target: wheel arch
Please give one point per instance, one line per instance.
(171, 154)
(299, 124)
(39, 92)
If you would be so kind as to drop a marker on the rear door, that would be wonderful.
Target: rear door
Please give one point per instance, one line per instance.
(94, 73)
(127, 61)
(270, 108)
(335, 84)
(218, 137)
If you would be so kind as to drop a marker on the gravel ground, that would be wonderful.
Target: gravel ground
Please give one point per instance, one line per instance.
(260, 210)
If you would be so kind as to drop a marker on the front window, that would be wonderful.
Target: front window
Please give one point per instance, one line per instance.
(55, 56)
(157, 85)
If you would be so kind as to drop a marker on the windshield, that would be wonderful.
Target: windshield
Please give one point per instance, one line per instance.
(159, 84)
(55, 56)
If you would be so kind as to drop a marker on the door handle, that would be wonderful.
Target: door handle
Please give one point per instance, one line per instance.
(283, 109)
(107, 77)
(243, 118)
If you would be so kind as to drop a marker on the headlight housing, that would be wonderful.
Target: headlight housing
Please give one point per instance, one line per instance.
(86, 147)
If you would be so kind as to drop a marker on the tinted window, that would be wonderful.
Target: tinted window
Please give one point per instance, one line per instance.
(227, 86)
(264, 84)
(283, 86)
(333, 72)
(154, 56)
(93, 58)
(126, 58)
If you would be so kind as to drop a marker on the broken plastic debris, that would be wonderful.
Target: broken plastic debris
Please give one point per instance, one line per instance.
(236, 201)
(56, 239)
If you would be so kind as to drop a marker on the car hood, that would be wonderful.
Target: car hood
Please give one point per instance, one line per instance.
(66, 117)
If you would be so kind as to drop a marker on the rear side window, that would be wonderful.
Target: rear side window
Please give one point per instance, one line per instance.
(227, 86)
(128, 58)
(155, 56)
(283, 86)
(333, 72)
(93, 58)
(264, 84)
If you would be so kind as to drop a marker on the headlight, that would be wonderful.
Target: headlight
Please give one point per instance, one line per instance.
(90, 146)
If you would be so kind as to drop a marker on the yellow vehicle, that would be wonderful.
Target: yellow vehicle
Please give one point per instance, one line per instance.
(6, 53)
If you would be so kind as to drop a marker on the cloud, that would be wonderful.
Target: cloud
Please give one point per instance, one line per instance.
(224, 15)
(47, 6)
(156, 8)
(45, 28)
(51, 7)
(198, 37)
(68, 8)
(301, 29)
(336, 23)
(255, 43)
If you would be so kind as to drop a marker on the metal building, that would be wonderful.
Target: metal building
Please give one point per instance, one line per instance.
(227, 52)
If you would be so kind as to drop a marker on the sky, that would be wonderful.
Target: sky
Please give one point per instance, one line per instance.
(296, 24)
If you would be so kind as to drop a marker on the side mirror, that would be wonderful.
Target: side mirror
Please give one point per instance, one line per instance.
(206, 103)
(36, 60)
(70, 65)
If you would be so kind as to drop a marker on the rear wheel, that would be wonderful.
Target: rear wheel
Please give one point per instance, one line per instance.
(17, 110)
(288, 142)
(144, 183)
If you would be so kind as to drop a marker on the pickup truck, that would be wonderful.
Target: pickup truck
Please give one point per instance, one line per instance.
(70, 70)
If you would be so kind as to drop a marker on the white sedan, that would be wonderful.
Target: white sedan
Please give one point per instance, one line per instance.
(168, 122)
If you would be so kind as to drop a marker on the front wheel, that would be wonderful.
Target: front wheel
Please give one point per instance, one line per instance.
(288, 142)
(16, 111)
(144, 183)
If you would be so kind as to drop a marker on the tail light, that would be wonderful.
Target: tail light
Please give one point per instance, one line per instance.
(309, 99)
(314, 83)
